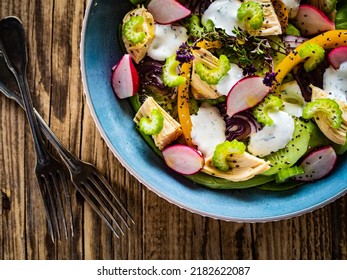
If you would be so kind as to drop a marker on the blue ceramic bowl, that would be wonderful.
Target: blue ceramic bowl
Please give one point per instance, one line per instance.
(100, 51)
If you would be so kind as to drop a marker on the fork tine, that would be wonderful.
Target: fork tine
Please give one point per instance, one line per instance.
(103, 205)
(114, 195)
(96, 209)
(59, 202)
(63, 180)
(52, 206)
(47, 209)
(101, 190)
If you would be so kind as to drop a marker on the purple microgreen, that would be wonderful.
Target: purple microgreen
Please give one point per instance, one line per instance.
(184, 54)
(269, 78)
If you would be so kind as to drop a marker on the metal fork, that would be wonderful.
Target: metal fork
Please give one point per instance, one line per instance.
(49, 172)
(92, 185)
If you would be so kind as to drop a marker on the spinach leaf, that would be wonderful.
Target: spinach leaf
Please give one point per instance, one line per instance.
(341, 15)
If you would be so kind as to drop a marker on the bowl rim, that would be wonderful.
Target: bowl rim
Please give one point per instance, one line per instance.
(133, 173)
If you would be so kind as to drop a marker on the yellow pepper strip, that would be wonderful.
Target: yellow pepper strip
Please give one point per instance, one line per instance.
(328, 40)
(209, 45)
(183, 104)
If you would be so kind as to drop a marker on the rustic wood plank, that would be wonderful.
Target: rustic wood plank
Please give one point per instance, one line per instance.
(338, 211)
(162, 230)
(236, 241)
(12, 182)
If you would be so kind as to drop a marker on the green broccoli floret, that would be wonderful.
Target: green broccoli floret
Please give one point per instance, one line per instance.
(196, 29)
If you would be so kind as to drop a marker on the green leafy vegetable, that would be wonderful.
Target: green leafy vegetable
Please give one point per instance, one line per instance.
(341, 15)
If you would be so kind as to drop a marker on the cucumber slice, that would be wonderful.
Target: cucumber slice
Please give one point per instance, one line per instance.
(296, 148)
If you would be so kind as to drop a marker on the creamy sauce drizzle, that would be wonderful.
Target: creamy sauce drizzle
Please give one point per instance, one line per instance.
(167, 40)
(223, 13)
(335, 82)
(274, 137)
(233, 76)
(208, 129)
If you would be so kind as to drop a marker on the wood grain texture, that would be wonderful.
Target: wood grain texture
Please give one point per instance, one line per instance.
(162, 230)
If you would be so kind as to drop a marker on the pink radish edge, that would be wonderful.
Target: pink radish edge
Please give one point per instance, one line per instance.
(183, 159)
(245, 94)
(311, 21)
(337, 56)
(317, 164)
(167, 11)
(125, 79)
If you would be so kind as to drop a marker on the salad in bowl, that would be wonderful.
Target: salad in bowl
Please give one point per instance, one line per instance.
(237, 94)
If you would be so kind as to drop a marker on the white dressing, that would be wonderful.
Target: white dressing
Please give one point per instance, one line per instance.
(293, 101)
(335, 82)
(223, 13)
(292, 6)
(167, 40)
(272, 138)
(233, 76)
(208, 129)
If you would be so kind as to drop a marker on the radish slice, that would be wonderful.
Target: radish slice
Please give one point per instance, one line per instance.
(311, 21)
(318, 164)
(183, 159)
(125, 79)
(245, 94)
(338, 56)
(167, 11)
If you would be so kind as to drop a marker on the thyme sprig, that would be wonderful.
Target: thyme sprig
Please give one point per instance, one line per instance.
(244, 49)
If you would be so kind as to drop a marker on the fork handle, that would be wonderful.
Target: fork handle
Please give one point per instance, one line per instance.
(41, 151)
(70, 159)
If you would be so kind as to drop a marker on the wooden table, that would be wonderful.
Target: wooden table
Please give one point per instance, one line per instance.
(162, 230)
